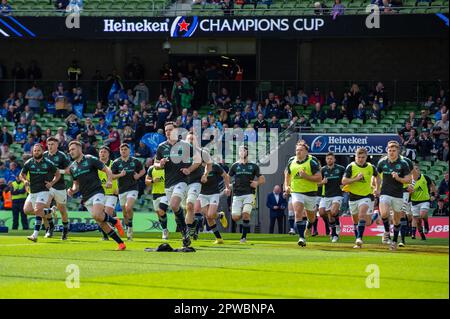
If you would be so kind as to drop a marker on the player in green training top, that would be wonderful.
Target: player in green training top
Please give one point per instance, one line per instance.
(155, 179)
(422, 190)
(128, 170)
(43, 175)
(301, 177)
(84, 170)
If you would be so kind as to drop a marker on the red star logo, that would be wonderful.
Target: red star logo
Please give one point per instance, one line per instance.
(184, 25)
(318, 143)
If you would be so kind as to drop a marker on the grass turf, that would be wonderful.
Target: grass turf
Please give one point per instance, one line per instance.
(268, 266)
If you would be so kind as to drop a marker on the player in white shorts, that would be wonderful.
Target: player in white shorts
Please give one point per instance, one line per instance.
(360, 181)
(155, 179)
(40, 175)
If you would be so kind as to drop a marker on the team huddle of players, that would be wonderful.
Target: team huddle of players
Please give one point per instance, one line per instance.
(185, 179)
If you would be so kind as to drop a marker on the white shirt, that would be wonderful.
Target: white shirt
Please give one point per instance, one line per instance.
(277, 197)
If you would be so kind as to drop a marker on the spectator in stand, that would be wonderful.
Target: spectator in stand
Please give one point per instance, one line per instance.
(443, 96)
(165, 111)
(248, 113)
(28, 114)
(141, 92)
(4, 110)
(301, 98)
(5, 8)
(443, 186)
(34, 97)
(5, 153)
(128, 136)
(5, 137)
(354, 99)
(405, 133)
(124, 117)
(60, 99)
(316, 97)
(34, 127)
(413, 120)
(2, 170)
(99, 110)
(320, 9)
(261, 108)
(12, 172)
(338, 8)
(102, 128)
(143, 151)
(304, 123)
(380, 96)
(74, 126)
(289, 98)
(360, 113)
(227, 7)
(317, 115)
(443, 152)
(275, 124)
(113, 141)
(441, 210)
(333, 112)
(375, 113)
(411, 145)
(223, 102)
(238, 120)
(290, 113)
(424, 119)
(438, 114)
(150, 119)
(331, 98)
(29, 145)
(20, 137)
(430, 105)
(238, 103)
(61, 5)
(440, 130)
(261, 123)
(425, 145)
(63, 139)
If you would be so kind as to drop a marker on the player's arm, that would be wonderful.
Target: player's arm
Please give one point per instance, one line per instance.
(197, 161)
(316, 176)
(376, 181)
(74, 189)
(148, 178)
(261, 179)
(115, 173)
(160, 161)
(54, 180)
(226, 180)
(24, 178)
(140, 170)
(109, 176)
(287, 181)
(346, 180)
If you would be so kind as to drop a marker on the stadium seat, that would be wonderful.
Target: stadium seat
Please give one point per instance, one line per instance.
(371, 121)
(330, 121)
(358, 121)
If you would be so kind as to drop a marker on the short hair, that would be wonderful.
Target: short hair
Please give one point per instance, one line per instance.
(104, 147)
(39, 145)
(303, 143)
(77, 143)
(170, 123)
(393, 144)
(124, 145)
(330, 154)
(361, 151)
(52, 139)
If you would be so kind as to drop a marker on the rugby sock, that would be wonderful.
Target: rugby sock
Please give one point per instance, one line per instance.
(105, 235)
(163, 221)
(361, 227)
(245, 228)
(110, 219)
(199, 222)
(422, 234)
(327, 224)
(409, 227)
(386, 225)
(413, 231)
(291, 222)
(179, 219)
(333, 228)
(403, 228)
(301, 226)
(114, 236)
(65, 227)
(37, 226)
(130, 223)
(215, 231)
(191, 228)
(396, 231)
(355, 229)
(316, 221)
(309, 225)
(374, 217)
(51, 225)
(426, 224)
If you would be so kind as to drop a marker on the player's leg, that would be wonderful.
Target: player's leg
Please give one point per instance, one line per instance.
(97, 209)
(291, 217)
(129, 205)
(38, 202)
(175, 197)
(198, 216)
(236, 211)
(247, 207)
(385, 211)
(363, 209)
(110, 207)
(354, 210)
(324, 212)
(192, 194)
(211, 215)
(300, 217)
(398, 219)
(60, 197)
(424, 208)
(333, 214)
(160, 206)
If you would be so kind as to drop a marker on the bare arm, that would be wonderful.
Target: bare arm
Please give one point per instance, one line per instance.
(109, 175)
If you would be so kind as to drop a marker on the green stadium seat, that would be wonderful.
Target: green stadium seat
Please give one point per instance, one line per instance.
(330, 121)
(386, 121)
(343, 121)
(378, 130)
(358, 121)
(371, 121)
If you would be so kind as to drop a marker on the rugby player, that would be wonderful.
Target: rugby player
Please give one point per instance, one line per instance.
(301, 177)
(84, 170)
(396, 173)
(421, 193)
(330, 203)
(210, 195)
(359, 176)
(244, 187)
(155, 179)
(58, 191)
(112, 192)
(174, 155)
(43, 175)
(406, 218)
(127, 170)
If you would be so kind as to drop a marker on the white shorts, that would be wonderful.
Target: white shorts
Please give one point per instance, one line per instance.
(355, 205)
(206, 200)
(156, 202)
(422, 207)
(193, 190)
(240, 201)
(308, 201)
(124, 197)
(60, 196)
(110, 201)
(97, 199)
(327, 202)
(318, 200)
(178, 190)
(41, 197)
(407, 203)
(394, 203)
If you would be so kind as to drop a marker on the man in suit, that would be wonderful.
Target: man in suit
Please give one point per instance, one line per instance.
(277, 205)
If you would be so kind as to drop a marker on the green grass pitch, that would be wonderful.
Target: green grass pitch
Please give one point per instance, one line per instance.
(268, 266)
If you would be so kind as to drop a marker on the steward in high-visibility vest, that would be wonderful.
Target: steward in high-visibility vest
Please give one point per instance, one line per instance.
(19, 195)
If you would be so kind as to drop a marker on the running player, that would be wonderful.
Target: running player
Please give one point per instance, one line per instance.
(330, 204)
(194, 185)
(174, 156)
(395, 172)
(155, 179)
(43, 175)
(128, 170)
(244, 187)
(58, 191)
(406, 216)
(210, 195)
(301, 177)
(112, 192)
(84, 170)
(291, 217)
(359, 176)
(421, 193)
